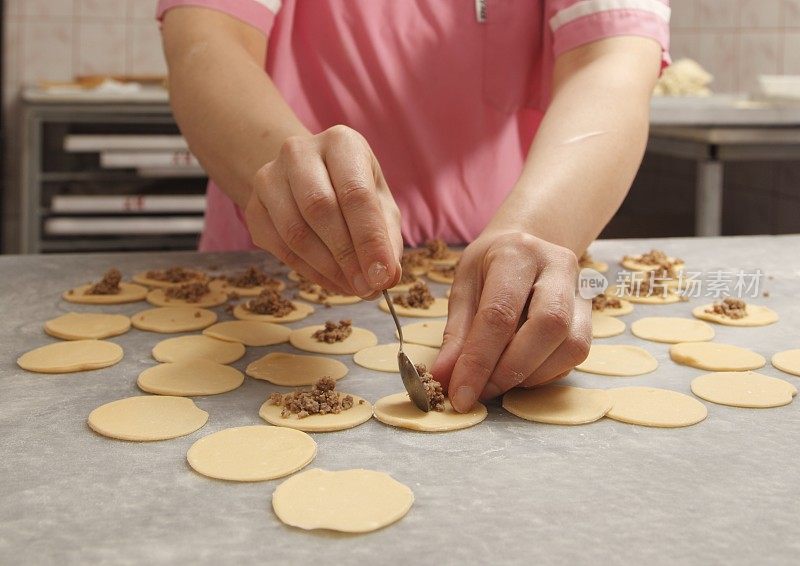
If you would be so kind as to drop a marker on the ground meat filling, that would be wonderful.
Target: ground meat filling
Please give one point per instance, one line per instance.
(414, 260)
(253, 277)
(269, 302)
(189, 292)
(655, 257)
(333, 332)
(108, 285)
(407, 272)
(321, 399)
(603, 301)
(730, 308)
(172, 275)
(437, 249)
(432, 387)
(418, 297)
(319, 293)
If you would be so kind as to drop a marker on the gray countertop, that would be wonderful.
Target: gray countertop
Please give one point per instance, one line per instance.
(507, 490)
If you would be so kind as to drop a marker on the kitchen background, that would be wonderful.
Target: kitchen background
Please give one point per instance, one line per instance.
(735, 40)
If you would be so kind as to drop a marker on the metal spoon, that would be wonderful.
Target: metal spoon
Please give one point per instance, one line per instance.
(411, 379)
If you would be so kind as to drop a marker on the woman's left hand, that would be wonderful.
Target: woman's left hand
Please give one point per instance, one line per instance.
(514, 318)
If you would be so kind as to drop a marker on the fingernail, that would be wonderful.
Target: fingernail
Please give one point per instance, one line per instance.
(378, 275)
(360, 285)
(463, 399)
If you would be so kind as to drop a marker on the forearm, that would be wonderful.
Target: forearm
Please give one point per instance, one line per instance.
(589, 145)
(227, 107)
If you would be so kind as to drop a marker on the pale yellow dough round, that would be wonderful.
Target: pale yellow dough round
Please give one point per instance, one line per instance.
(605, 326)
(301, 311)
(713, 356)
(558, 404)
(437, 309)
(295, 370)
(649, 406)
(756, 316)
(439, 277)
(129, 293)
(169, 320)
(383, 357)
(331, 300)
(252, 453)
(398, 410)
(303, 339)
(672, 330)
(87, 326)
(428, 333)
(746, 389)
(599, 266)
(211, 299)
(359, 413)
(142, 278)
(618, 360)
(452, 258)
(633, 264)
(222, 285)
(625, 307)
(72, 356)
(404, 287)
(249, 332)
(147, 418)
(657, 297)
(350, 501)
(788, 361)
(190, 377)
(195, 346)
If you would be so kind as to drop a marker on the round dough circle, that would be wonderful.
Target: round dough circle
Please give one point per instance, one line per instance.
(147, 418)
(788, 361)
(672, 330)
(452, 258)
(398, 410)
(303, 339)
(558, 404)
(618, 360)
(658, 297)
(649, 406)
(142, 278)
(743, 389)
(222, 285)
(168, 320)
(294, 370)
(213, 298)
(196, 346)
(404, 287)
(87, 326)
(625, 307)
(249, 332)
(428, 333)
(599, 266)
(756, 316)
(357, 414)
(301, 311)
(713, 356)
(68, 357)
(439, 277)
(252, 453)
(437, 309)
(634, 265)
(129, 293)
(189, 378)
(331, 300)
(383, 357)
(350, 501)
(605, 326)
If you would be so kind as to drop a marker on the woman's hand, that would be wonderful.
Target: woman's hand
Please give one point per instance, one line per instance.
(323, 207)
(514, 318)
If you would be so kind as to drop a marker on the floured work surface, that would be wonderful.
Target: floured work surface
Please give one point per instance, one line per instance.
(482, 494)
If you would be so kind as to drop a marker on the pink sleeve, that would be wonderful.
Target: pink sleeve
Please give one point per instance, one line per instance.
(258, 13)
(576, 22)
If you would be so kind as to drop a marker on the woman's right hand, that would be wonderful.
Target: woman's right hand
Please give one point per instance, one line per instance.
(323, 208)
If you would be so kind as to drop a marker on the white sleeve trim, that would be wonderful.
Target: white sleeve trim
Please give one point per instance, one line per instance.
(272, 5)
(589, 7)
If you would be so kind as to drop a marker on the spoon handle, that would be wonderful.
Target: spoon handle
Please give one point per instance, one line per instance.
(394, 316)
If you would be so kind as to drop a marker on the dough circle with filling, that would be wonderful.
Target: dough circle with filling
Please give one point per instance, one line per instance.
(196, 346)
(129, 293)
(605, 326)
(190, 377)
(439, 277)
(249, 332)
(398, 410)
(756, 316)
(252, 453)
(169, 320)
(618, 360)
(87, 326)
(649, 406)
(788, 361)
(294, 370)
(303, 339)
(222, 285)
(331, 300)
(359, 413)
(195, 276)
(672, 330)
(558, 404)
(437, 309)
(72, 356)
(383, 357)
(301, 311)
(428, 333)
(743, 389)
(350, 501)
(625, 307)
(159, 298)
(147, 418)
(713, 356)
